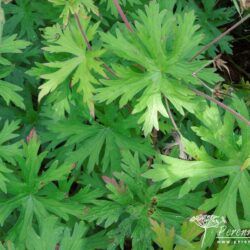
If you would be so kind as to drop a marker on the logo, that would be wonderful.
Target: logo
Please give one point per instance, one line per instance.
(207, 221)
(225, 234)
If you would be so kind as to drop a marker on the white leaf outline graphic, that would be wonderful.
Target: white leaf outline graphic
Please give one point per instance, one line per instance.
(207, 221)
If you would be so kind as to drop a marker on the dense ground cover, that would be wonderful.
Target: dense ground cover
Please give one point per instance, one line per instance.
(124, 124)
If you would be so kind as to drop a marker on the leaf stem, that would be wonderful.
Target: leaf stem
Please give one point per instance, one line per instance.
(171, 117)
(222, 105)
(88, 43)
(123, 16)
(154, 137)
(220, 37)
(178, 135)
(82, 31)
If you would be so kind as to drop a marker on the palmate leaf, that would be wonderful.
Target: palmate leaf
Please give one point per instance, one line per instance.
(162, 45)
(33, 195)
(25, 17)
(48, 237)
(51, 234)
(100, 143)
(74, 7)
(166, 238)
(9, 45)
(9, 91)
(131, 202)
(211, 18)
(80, 67)
(231, 160)
(162, 239)
(8, 151)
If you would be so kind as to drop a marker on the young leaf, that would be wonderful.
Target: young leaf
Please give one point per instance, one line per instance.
(162, 239)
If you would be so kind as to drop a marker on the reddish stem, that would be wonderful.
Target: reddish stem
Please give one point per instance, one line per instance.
(123, 16)
(222, 105)
(88, 44)
(82, 31)
(220, 36)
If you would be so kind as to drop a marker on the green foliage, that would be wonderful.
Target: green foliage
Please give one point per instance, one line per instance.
(25, 17)
(80, 67)
(52, 234)
(166, 239)
(162, 45)
(8, 152)
(9, 91)
(231, 160)
(100, 142)
(74, 7)
(109, 135)
(132, 202)
(32, 194)
(211, 18)
(110, 7)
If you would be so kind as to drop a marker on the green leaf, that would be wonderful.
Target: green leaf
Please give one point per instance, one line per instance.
(162, 45)
(33, 193)
(211, 18)
(74, 241)
(131, 203)
(80, 66)
(25, 17)
(11, 45)
(162, 239)
(9, 92)
(124, 4)
(48, 237)
(231, 159)
(8, 151)
(75, 7)
(99, 143)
